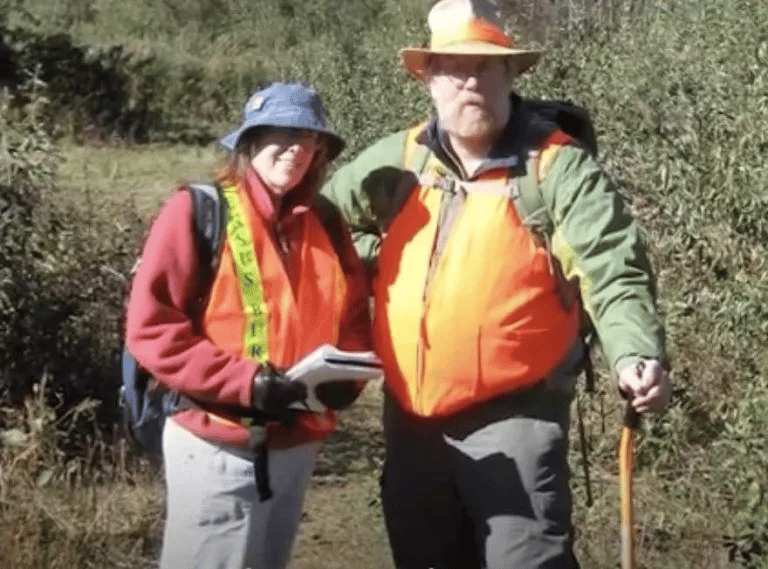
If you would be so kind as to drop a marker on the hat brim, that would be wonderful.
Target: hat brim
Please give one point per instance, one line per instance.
(335, 143)
(415, 59)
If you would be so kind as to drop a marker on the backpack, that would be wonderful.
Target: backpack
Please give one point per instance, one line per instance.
(143, 403)
(576, 122)
(531, 209)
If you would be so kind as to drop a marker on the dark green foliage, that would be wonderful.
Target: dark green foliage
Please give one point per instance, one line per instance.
(197, 61)
(684, 129)
(61, 277)
(90, 91)
(27, 169)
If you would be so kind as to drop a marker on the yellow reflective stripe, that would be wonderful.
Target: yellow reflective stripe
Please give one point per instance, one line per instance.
(410, 145)
(255, 345)
(545, 158)
(569, 263)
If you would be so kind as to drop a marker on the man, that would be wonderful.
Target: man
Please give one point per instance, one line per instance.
(476, 318)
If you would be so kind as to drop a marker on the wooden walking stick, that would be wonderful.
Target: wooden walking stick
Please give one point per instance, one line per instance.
(631, 422)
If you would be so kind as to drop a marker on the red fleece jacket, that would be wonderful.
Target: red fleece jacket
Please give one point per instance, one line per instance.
(165, 340)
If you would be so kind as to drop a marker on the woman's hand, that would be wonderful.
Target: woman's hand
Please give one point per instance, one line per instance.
(273, 393)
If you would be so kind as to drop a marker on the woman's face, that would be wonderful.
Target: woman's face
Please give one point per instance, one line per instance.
(282, 156)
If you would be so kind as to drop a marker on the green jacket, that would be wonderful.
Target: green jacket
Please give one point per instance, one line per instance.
(589, 226)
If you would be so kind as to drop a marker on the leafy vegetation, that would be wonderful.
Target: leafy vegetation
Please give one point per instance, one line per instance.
(679, 94)
(62, 273)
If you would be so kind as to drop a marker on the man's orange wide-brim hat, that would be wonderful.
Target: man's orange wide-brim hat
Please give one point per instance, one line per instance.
(466, 27)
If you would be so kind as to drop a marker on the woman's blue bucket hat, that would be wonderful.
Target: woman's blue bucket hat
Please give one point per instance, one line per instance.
(286, 105)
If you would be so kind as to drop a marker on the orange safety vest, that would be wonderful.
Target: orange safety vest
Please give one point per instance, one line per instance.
(482, 318)
(297, 320)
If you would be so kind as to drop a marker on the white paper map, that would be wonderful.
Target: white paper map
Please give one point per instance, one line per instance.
(328, 363)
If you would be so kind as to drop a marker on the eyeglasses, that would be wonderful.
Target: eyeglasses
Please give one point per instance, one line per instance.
(458, 71)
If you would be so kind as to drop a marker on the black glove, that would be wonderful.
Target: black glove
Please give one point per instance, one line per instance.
(273, 392)
(338, 395)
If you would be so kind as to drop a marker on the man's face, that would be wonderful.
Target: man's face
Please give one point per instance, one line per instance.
(471, 94)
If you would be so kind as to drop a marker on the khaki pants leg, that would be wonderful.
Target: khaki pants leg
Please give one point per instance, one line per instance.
(214, 517)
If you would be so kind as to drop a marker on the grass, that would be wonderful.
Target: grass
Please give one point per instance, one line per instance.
(342, 526)
(108, 512)
(99, 518)
(146, 173)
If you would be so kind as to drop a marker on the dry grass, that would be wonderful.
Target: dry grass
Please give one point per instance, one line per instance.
(147, 173)
(59, 514)
(100, 510)
(111, 515)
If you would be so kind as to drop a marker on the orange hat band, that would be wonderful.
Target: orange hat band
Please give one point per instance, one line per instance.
(470, 30)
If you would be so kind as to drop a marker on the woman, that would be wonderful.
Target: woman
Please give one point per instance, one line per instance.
(287, 280)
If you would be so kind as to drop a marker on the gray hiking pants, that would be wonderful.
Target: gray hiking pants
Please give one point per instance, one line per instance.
(215, 519)
(487, 488)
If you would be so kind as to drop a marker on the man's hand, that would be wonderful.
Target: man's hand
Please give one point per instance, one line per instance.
(646, 385)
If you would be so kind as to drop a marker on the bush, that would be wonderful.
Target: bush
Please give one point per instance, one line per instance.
(91, 91)
(62, 276)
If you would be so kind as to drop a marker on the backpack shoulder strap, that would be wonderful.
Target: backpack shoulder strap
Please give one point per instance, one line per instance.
(535, 214)
(415, 155)
(549, 124)
(208, 226)
(529, 201)
(530, 204)
(332, 221)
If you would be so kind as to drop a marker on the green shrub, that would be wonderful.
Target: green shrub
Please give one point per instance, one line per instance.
(683, 128)
(90, 91)
(27, 168)
(62, 276)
